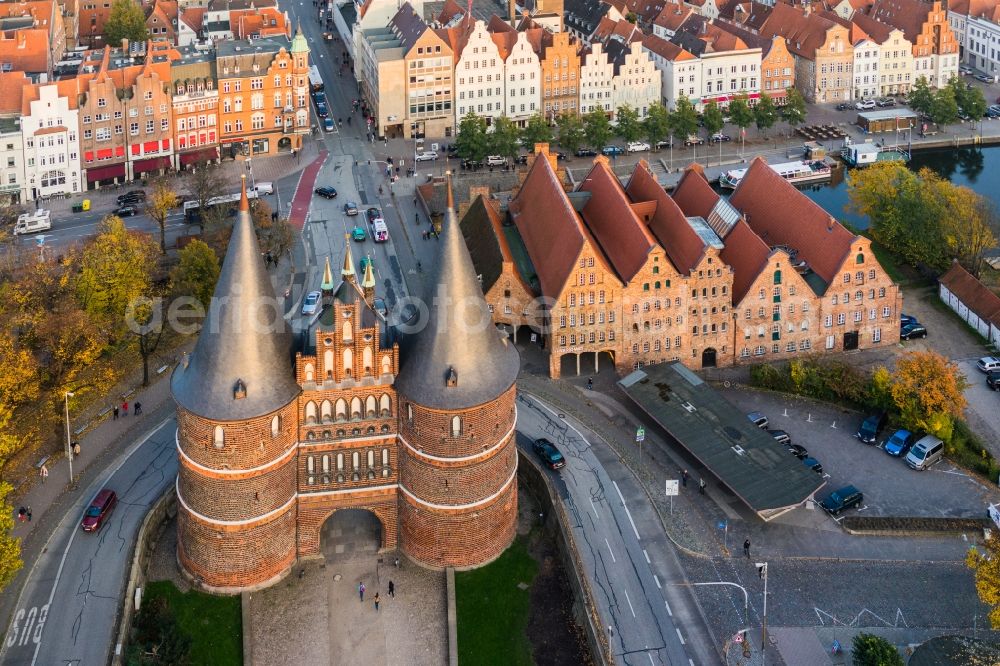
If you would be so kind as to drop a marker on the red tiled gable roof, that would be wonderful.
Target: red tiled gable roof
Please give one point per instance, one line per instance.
(505, 42)
(666, 49)
(974, 294)
(553, 234)
(672, 15)
(804, 32)
(194, 17)
(746, 254)
(611, 220)
(907, 15)
(680, 241)
(12, 86)
(26, 50)
(718, 40)
(693, 193)
(878, 31)
(646, 10)
(972, 7)
(781, 215)
(450, 11)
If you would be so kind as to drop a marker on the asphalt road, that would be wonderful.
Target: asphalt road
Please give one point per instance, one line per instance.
(69, 605)
(646, 622)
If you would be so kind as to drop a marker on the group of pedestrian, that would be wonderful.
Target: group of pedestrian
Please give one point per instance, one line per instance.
(427, 235)
(136, 407)
(377, 599)
(24, 514)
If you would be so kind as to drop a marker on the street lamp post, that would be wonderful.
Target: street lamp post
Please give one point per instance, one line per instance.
(69, 447)
(762, 571)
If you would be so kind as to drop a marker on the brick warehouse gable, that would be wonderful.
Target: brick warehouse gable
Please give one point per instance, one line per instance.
(261, 471)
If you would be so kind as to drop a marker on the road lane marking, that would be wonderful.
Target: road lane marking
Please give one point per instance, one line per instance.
(629, 601)
(650, 655)
(611, 551)
(647, 556)
(667, 604)
(657, 581)
(627, 512)
(594, 508)
(677, 629)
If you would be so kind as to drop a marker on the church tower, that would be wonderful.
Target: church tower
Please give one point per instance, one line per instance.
(457, 455)
(236, 431)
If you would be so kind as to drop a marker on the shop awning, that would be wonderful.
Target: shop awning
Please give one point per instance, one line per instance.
(202, 155)
(153, 164)
(106, 172)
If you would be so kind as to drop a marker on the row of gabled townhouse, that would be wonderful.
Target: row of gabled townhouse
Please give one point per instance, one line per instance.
(627, 274)
(151, 109)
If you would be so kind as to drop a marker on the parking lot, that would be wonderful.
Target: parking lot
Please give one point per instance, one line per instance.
(890, 487)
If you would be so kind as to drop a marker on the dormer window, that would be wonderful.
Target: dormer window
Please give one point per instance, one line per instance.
(452, 379)
(239, 390)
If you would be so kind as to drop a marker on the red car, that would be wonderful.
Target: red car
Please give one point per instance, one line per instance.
(100, 508)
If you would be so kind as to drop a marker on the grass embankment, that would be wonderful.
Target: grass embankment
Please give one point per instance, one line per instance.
(493, 610)
(214, 624)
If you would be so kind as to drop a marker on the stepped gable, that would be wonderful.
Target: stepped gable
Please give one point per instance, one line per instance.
(241, 366)
(455, 358)
(781, 215)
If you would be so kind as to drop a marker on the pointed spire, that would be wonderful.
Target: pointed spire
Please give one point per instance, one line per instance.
(327, 284)
(455, 358)
(244, 201)
(368, 281)
(347, 271)
(241, 365)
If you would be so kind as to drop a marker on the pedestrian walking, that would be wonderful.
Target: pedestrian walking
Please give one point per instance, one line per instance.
(44, 473)
(125, 408)
(22, 514)
(29, 514)
(397, 562)
(590, 384)
(137, 409)
(114, 413)
(392, 590)
(701, 486)
(746, 548)
(361, 591)
(76, 449)
(376, 602)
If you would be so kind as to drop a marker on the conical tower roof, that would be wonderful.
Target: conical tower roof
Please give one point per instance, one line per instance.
(368, 281)
(454, 357)
(241, 366)
(327, 284)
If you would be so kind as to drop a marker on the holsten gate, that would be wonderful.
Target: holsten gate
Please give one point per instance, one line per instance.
(416, 427)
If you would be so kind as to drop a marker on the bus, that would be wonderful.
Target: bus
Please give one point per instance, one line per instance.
(315, 80)
(230, 203)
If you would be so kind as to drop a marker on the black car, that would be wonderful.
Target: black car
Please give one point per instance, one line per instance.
(125, 211)
(841, 499)
(813, 464)
(326, 192)
(133, 197)
(871, 427)
(905, 319)
(548, 452)
(885, 101)
(910, 331)
(797, 450)
(719, 137)
(844, 106)
(780, 436)
(521, 159)
(562, 157)
(993, 379)
(586, 152)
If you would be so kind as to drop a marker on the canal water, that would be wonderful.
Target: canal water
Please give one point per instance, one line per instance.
(964, 166)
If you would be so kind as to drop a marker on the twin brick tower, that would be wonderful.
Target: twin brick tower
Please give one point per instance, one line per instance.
(413, 423)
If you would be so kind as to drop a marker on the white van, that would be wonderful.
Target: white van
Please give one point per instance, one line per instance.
(32, 223)
(496, 160)
(260, 189)
(927, 451)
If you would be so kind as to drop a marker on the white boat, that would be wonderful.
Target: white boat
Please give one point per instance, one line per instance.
(802, 171)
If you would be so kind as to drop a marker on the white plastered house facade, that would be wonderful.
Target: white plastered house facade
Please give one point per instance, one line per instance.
(479, 77)
(51, 145)
(597, 88)
(523, 85)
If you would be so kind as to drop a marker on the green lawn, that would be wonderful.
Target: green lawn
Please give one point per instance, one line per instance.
(493, 611)
(215, 624)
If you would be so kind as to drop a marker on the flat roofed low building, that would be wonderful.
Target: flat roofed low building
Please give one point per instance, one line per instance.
(747, 460)
(886, 120)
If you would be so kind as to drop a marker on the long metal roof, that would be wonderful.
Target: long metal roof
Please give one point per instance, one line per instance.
(743, 457)
(241, 365)
(455, 358)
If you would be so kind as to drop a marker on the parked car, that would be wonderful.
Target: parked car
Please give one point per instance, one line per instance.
(813, 464)
(911, 331)
(561, 157)
(521, 159)
(637, 146)
(426, 156)
(925, 453)
(263, 189)
(125, 211)
(311, 304)
(866, 105)
(797, 450)
(843, 498)
(885, 101)
(965, 71)
(321, 109)
(496, 160)
(100, 509)
(358, 234)
(134, 196)
(326, 192)
(780, 436)
(694, 140)
(993, 111)
(719, 137)
(666, 143)
(905, 319)
(758, 419)
(472, 165)
(350, 208)
(871, 427)
(613, 151)
(985, 78)
(899, 443)
(993, 379)
(373, 214)
(987, 363)
(586, 152)
(328, 124)
(844, 106)
(548, 452)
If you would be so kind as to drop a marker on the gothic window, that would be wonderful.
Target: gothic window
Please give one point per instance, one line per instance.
(309, 372)
(328, 363)
(341, 412)
(367, 360)
(275, 425)
(385, 407)
(371, 458)
(219, 437)
(340, 462)
(348, 361)
(386, 365)
(456, 426)
(310, 412)
(326, 411)
(348, 331)
(355, 460)
(371, 409)
(355, 408)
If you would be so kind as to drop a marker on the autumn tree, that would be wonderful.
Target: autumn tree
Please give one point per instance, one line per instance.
(986, 568)
(505, 138)
(794, 110)
(597, 128)
(629, 127)
(10, 546)
(569, 127)
(125, 21)
(656, 124)
(536, 130)
(158, 206)
(871, 650)
(471, 142)
(196, 273)
(928, 391)
(274, 234)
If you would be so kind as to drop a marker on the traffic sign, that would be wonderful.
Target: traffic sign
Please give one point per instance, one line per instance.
(738, 638)
(640, 434)
(673, 487)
